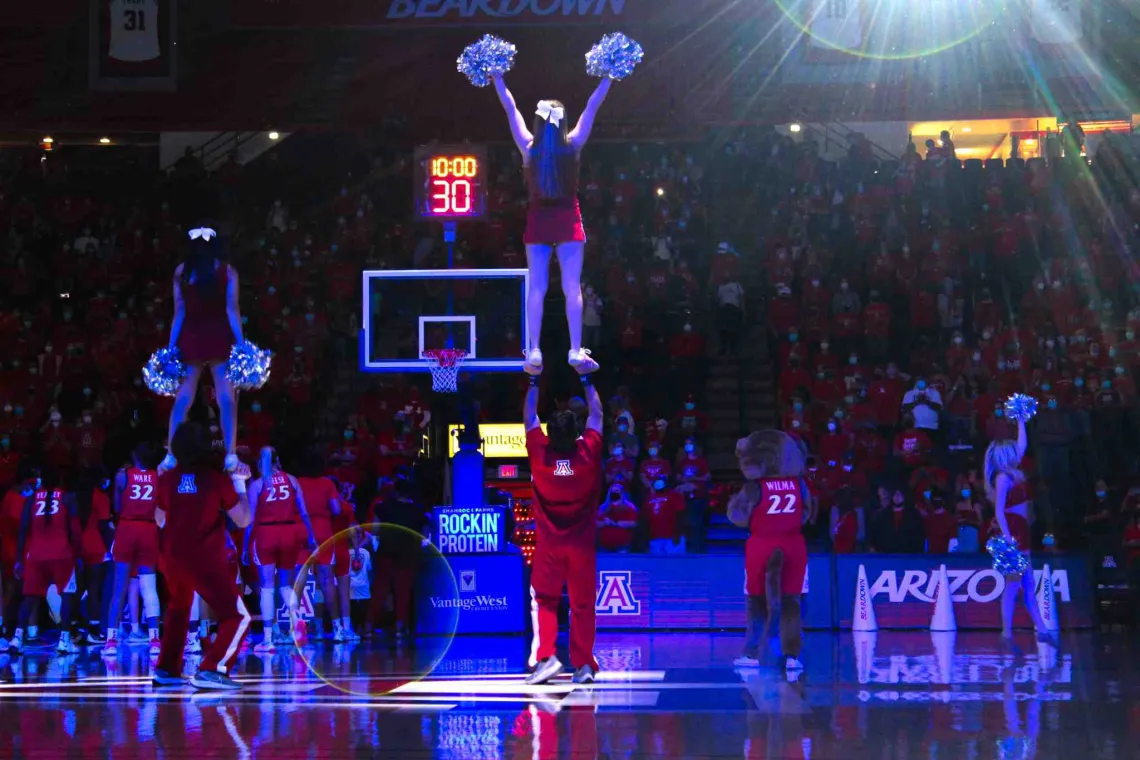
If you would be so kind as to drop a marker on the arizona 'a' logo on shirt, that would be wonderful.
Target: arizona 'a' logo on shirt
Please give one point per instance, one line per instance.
(562, 467)
(187, 485)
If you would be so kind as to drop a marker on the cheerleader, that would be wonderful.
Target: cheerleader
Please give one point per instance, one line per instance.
(1006, 487)
(206, 324)
(551, 160)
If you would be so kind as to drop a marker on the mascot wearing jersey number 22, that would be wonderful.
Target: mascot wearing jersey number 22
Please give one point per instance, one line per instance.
(773, 506)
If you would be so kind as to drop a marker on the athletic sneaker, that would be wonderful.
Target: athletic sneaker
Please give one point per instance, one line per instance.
(3, 645)
(155, 647)
(169, 463)
(1052, 638)
(213, 681)
(66, 645)
(95, 638)
(265, 646)
(301, 632)
(744, 661)
(163, 678)
(350, 635)
(111, 648)
(137, 637)
(16, 645)
(339, 635)
(533, 359)
(231, 462)
(547, 669)
(584, 674)
(581, 360)
(793, 663)
(193, 644)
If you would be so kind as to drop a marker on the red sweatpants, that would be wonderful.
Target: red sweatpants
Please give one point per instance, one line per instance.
(211, 575)
(575, 565)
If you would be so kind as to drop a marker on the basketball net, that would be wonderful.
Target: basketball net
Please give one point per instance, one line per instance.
(444, 364)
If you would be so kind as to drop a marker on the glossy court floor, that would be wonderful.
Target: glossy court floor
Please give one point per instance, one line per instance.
(887, 696)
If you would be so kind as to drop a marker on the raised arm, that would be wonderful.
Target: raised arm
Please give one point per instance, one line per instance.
(585, 125)
(179, 310)
(530, 407)
(594, 406)
(522, 136)
(1022, 440)
(233, 313)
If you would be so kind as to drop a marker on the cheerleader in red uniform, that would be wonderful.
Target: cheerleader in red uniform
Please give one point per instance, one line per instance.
(551, 159)
(206, 324)
(1005, 485)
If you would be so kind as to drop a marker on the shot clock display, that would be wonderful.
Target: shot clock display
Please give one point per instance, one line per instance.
(449, 182)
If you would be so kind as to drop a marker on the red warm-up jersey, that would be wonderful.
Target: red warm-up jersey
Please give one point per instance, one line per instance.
(277, 502)
(195, 501)
(565, 485)
(138, 500)
(319, 495)
(780, 512)
(51, 528)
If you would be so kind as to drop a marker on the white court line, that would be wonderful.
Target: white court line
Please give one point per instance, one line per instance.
(172, 695)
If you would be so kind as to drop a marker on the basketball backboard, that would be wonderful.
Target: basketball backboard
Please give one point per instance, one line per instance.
(409, 311)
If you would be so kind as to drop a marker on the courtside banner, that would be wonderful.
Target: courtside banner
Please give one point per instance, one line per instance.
(488, 593)
(902, 586)
(469, 530)
(692, 591)
(400, 14)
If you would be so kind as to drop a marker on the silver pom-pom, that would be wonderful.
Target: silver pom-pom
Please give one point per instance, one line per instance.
(164, 371)
(1008, 559)
(483, 59)
(1020, 408)
(248, 367)
(614, 57)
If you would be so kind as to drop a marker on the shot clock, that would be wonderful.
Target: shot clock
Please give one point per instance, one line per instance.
(450, 182)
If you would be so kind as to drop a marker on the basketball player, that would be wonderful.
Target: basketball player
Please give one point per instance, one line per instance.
(322, 500)
(193, 504)
(567, 471)
(48, 548)
(551, 158)
(94, 509)
(135, 548)
(206, 324)
(773, 505)
(274, 544)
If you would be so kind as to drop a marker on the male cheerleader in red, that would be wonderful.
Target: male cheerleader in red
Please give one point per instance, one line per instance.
(567, 471)
(773, 506)
(322, 500)
(136, 544)
(48, 548)
(273, 543)
(193, 503)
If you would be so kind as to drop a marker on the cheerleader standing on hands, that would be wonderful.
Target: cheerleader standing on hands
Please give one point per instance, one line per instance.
(206, 325)
(551, 160)
(1006, 487)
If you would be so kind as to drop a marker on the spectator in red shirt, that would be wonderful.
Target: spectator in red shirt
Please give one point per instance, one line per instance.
(848, 526)
(664, 511)
(834, 444)
(693, 479)
(617, 519)
(941, 525)
(618, 465)
(886, 395)
(912, 445)
(654, 466)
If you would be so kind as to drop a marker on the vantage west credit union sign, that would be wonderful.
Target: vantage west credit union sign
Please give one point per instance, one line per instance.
(268, 14)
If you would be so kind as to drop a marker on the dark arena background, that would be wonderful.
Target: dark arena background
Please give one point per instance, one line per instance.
(868, 224)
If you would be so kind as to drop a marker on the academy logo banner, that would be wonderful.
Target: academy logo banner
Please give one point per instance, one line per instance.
(695, 592)
(901, 589)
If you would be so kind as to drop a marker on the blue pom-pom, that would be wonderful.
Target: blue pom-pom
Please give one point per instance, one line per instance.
(614, 57)
(483, 59)
(1020, 408)
(1008, 559)
(164, 371)
(248, 367)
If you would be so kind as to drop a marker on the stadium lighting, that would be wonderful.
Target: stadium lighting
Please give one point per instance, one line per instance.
(794, 127)
(47, 140)
(967, 129)
(104, 140)
(274, 135)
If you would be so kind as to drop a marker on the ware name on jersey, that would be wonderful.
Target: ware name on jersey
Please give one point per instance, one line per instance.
(138, 501)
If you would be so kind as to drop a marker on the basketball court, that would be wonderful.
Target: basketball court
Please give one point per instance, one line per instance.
(889, 695)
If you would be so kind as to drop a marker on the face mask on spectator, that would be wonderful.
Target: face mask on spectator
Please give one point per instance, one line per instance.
(1001, 365)
(853, 360)
(617, 451)
(1130, 335)
(998, 411)
(1052, 404)
(1079, 382)
(348, 435)
(690, 448)
(256, 407)
(659, 485)
(843, 286)
(1056, 284)
(965, 493)
(653, 452)
(920, 385)
(793, 337)
(831, 427)
(1100, 494)
(1107, 384)
(798, 406)
(823, 346)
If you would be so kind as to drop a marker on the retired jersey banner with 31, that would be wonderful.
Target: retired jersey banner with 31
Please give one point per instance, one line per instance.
(132, 45)
(902, 589)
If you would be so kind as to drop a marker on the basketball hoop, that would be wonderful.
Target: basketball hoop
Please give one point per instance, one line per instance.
(444, 364)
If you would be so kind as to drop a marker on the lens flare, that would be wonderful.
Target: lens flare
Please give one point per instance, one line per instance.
(399, 553)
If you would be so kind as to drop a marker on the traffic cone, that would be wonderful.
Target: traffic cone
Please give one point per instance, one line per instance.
(864, 643)
(943, 642)
(863, 619)
(943, 617)
(1047, 601)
